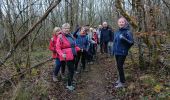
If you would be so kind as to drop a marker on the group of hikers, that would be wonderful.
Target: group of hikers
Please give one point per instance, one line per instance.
(82, 45)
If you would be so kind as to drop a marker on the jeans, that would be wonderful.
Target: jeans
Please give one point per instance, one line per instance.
(57, 66)
(120, 59)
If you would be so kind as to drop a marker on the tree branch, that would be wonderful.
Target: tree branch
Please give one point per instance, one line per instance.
(123, 13)
(30, 30)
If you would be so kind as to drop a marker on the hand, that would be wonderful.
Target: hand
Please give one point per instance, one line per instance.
(52, 39)
(121, 36)
(81, 50)
(64, 56)
(54, 51)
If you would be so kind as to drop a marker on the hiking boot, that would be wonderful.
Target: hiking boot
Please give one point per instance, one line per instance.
(63, 76)
(119, 85)
(77, 72)
(71, 88)
(91, 63)
(55, 79)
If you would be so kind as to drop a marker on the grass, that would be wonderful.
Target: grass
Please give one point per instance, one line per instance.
(32, 91)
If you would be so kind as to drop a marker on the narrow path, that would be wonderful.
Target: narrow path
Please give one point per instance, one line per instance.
(94, 82)
(91, 85)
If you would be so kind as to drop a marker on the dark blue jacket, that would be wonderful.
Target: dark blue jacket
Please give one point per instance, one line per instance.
(82, 41)
(122, 44)
(106, 35)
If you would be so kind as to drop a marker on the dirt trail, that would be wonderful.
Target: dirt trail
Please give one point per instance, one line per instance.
(91, 86)
(94, 84)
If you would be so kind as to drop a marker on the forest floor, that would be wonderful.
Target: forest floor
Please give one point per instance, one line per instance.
(91, 85)
(96, 84)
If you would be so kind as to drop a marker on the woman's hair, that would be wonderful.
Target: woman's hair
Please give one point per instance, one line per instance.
(65, 25)
(56, 29)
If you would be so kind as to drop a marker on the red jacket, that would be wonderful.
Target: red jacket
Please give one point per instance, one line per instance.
(52, 46)
(95, 37)
(63, 47)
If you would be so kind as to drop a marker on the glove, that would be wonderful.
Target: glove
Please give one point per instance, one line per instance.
(64, 56)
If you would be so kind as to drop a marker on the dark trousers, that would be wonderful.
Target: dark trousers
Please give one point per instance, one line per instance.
(81, 55)
(101, 47)
(120, 59)
(95, 48)
(90, 53)
(106, 47)
(63, 67)
(70, 66)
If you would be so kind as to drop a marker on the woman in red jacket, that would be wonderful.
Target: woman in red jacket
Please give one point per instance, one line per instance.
(67, 50)
(52, 47)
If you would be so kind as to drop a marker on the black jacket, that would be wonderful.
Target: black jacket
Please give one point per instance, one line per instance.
(106, 35)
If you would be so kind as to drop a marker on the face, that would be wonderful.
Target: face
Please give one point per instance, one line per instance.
(57, 31)
(121, 23)
(66, 30)
(104, 24)
(86, 29)
(100, 26)
(82, 31)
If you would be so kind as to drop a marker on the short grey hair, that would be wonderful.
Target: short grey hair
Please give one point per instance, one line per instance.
(65, 25)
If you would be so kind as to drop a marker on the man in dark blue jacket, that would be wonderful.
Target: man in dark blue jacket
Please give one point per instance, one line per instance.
(105, 37)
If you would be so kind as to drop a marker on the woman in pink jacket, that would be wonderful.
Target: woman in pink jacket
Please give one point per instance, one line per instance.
(67, 50)
(52, 47)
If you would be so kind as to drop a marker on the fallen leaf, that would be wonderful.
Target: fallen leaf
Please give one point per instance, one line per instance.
(158, 88)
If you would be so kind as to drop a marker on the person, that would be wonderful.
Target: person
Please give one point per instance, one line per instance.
(110, 43)
(99, 33)
(90, 51)
(52, 47)
(67, 50)
(123, 40)
(105, 37)
(95, 38)
(82, 43)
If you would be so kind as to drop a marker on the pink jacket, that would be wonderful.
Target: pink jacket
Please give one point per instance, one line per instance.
(63, 47)
(52, 46)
